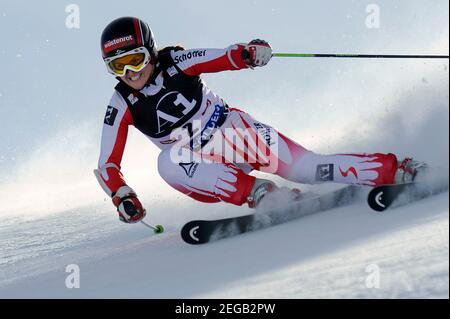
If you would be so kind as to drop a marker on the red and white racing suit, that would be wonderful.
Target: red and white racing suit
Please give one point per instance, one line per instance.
(207, 148)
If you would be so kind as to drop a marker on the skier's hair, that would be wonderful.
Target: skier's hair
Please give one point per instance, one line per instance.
(177, 47)
(164, 55)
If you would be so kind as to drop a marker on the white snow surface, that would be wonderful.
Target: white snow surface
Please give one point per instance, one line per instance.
(327, 255)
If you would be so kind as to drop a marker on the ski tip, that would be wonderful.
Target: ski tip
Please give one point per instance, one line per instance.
(379, 198)
(190, 233)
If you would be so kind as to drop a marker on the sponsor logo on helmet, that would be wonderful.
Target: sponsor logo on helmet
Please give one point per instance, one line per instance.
(192, 54)
(119, 43)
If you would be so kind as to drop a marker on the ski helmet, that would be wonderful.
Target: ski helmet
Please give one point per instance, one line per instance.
(127, 35)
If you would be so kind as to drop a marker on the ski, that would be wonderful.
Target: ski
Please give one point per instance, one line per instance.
(203, 231)
(383, 197)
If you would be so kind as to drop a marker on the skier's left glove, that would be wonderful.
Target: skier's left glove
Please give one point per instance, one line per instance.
(128, 205)
(257, 53)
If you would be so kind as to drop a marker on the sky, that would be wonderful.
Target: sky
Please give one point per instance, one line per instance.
(55, 88)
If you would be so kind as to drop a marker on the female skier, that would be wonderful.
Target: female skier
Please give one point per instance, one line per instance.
(207, 148)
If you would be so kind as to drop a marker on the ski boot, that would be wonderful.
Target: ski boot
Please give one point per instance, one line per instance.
(263, 187)
(408, 169)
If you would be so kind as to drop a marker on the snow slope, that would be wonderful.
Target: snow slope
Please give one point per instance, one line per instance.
(54, 214)
(327, 255)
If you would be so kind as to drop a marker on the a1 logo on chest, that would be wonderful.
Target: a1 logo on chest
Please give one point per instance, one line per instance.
(171, 108)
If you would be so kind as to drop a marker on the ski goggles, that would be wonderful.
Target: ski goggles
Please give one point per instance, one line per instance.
(134, 60)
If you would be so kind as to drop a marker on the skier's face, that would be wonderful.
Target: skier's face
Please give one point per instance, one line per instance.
(137, 80)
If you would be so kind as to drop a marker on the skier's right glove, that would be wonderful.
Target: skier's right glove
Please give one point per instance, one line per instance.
(128, 205)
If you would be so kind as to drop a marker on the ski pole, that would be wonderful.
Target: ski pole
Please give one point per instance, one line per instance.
(365, 56)
(158, 229)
